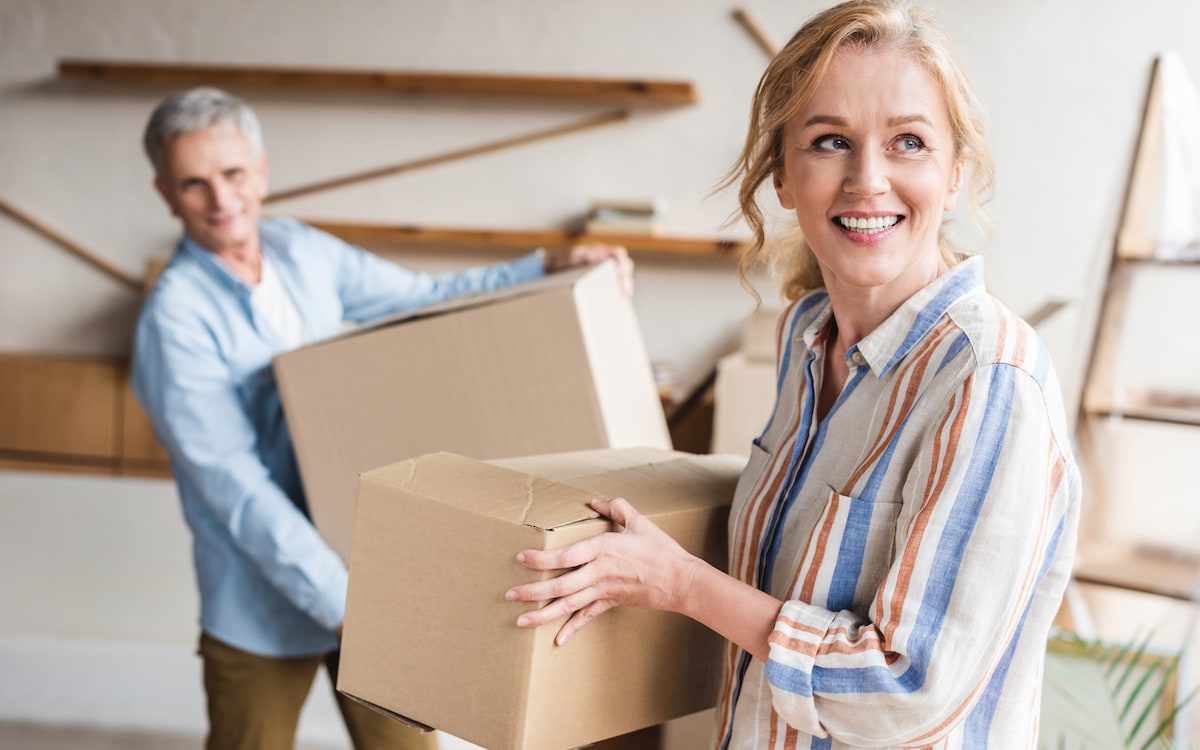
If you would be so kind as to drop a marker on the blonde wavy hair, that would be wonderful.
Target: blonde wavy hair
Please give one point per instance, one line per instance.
(788, 85)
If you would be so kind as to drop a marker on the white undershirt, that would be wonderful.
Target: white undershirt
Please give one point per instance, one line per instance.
(274, 305)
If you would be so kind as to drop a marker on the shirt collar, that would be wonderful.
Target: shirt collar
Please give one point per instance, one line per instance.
(895, 337)
(217, 269)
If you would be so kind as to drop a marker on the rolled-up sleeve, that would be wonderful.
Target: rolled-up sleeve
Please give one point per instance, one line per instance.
(187, 389)
(990, 489)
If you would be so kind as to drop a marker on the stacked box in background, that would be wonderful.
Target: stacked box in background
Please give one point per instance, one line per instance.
(558, 364)
(745, 387)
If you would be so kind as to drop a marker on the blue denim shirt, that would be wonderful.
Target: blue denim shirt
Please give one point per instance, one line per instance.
(202, 369)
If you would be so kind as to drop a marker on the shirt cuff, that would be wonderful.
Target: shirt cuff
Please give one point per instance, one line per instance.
(798, 634)
(330, 609)
(529, 267)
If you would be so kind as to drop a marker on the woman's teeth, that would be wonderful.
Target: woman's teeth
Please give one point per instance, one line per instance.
(873, 225)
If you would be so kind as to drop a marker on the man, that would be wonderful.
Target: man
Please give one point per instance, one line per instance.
(239, 290)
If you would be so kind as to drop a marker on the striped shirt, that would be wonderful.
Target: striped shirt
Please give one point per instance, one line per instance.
(920, 535)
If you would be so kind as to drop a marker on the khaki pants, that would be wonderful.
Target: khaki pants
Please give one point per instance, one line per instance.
(254, 703)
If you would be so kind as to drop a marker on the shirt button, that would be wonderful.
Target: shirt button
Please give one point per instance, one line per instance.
(857, 359)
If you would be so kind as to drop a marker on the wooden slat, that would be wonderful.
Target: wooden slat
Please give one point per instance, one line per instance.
(59, 405)
(1151, 406)
(611, 90)
(1045, 311)
(1137, 236)
(522, 238)
(1098, 388)
(747, 22)
(1136, 567)
(138, 443)
(91, 257)
(55, 464)
(424, 162)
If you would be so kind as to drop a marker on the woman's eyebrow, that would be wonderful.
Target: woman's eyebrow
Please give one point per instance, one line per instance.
(825, 120)
(906, 119)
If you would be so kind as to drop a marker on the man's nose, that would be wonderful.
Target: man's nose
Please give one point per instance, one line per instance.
(867, 174)
(220, 194)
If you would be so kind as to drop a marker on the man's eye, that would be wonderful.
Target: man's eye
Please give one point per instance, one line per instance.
(830, 143)
(234, 174)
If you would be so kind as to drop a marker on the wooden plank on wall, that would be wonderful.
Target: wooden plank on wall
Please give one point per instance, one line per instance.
(139, 447)
(635, 91)
(59, 405)
(524, 238)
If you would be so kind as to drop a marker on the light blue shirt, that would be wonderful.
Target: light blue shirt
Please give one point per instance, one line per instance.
(202, 369)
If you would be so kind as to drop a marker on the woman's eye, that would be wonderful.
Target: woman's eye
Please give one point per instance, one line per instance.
(830, 143)
(909, 143)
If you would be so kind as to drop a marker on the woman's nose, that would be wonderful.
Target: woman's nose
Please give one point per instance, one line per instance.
(867, 175)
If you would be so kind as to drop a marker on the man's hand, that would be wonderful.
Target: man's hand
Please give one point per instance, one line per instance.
(591, 254)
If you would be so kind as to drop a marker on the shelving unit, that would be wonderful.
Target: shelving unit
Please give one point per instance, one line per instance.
(1145, 568)
(631, 91)
(508, 239)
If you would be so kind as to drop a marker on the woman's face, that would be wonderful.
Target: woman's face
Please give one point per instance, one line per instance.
(869, 168)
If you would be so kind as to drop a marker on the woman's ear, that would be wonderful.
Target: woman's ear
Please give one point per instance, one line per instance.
(782, 190)
(955, 185)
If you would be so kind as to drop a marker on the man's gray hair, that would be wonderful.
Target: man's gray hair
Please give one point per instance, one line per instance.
(197, 109)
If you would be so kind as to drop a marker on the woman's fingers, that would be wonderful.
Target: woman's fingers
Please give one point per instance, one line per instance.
(573, 556)
(581, 618)
(554, 588)
(558, 609)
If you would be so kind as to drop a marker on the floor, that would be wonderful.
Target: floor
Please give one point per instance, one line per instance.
(25, 736)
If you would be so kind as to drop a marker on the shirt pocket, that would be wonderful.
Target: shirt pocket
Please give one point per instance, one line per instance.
(848, 553)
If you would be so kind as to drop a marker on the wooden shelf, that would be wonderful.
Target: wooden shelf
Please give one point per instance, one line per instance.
(1148, 407)
(1141, 568)
(524, 238)
(611, 90)
(1127, 261)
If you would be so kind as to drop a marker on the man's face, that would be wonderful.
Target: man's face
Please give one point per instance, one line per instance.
(215, 183)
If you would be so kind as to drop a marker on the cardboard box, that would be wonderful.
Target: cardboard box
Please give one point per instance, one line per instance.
(554, 365)
(429, 637)
(758, 335)
(745, 396)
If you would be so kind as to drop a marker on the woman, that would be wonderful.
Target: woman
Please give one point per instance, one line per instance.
(902, 535)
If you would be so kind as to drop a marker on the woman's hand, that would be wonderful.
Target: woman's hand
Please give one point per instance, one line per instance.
(638, 566)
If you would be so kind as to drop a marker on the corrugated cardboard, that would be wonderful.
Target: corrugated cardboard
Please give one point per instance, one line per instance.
(557, 364)
(758, 335)
(429, 636)
(745, 396)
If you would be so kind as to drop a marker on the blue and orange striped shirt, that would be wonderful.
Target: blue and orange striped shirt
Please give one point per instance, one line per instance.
(920, 535)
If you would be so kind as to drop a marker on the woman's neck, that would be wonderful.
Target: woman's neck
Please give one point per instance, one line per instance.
(857, 311)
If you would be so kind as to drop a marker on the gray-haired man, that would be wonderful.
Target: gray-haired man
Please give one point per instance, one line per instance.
(239, 290)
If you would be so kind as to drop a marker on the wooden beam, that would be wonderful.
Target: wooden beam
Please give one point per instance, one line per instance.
(92, 258)
(1162, 572)
(1137, 236)
(523, 238)
(626, 91)
(457, 154)
(743, 17)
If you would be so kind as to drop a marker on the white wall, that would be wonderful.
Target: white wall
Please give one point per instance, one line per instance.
(1063, 83)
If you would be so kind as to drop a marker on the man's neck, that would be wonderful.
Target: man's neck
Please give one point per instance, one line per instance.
(243, 260)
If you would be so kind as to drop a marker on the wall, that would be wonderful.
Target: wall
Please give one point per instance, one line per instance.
(1063, 84)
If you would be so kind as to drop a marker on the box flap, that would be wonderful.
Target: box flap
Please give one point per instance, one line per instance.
(563, 466)
(485, 489)
(668, 486)
(560, 280)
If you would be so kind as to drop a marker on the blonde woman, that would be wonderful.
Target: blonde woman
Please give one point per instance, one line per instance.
(902, 535)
